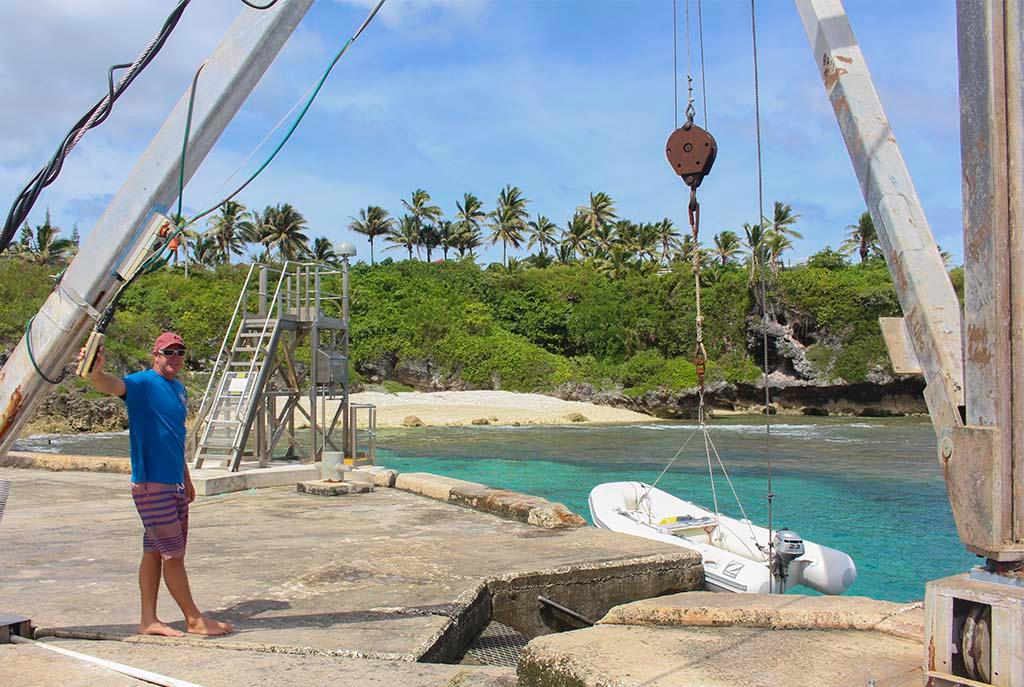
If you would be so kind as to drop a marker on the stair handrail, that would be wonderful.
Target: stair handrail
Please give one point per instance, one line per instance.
(243, 407)
(204, 407)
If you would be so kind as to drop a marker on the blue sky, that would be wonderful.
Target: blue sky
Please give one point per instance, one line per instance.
(559, 97)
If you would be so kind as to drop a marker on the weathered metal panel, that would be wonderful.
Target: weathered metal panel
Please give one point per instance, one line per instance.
(901, 348)
(1015, 178)
(989, 52)
(926, 294)
(232, 72)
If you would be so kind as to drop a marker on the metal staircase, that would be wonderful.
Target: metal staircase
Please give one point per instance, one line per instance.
(257, 382)
(235, 401)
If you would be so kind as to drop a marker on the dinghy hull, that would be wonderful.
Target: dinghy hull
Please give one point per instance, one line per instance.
(733, 551)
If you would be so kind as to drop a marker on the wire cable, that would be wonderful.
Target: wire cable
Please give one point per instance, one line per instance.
(675, 69)
(95, 116)
(260, 7)
(298, 119)
(764, 295)
(703, 83)
(184, 140)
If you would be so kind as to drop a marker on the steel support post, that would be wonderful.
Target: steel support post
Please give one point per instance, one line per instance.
(925, 292)
(346, 426)
(234, 68)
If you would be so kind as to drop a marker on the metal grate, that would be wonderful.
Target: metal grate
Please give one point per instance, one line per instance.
(497, 645)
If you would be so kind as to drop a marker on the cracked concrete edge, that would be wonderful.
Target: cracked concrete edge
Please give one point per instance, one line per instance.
(214, 643)
(451, 641)
(904, 621)
(607, 569)
(56, 462)
(511, 505)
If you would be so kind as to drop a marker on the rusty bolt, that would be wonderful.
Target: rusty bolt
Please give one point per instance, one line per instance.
(947, 448)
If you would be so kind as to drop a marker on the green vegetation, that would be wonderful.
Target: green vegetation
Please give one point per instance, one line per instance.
(605, 300)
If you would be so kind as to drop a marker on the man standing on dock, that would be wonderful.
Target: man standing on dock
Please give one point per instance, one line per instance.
(161, 485)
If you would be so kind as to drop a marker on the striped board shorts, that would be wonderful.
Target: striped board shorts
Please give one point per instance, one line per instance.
(164, 512)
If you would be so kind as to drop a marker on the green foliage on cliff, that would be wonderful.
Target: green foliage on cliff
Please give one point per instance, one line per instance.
(523, 328)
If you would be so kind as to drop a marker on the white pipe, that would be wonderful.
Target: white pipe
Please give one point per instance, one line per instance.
(138, 673)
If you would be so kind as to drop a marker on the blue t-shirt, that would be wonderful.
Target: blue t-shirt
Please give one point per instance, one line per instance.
(156, 427)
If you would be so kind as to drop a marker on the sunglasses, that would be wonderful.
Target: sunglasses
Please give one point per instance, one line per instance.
(171, 352)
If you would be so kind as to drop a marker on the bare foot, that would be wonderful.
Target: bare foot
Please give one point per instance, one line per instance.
(159, 628)
(209, 627)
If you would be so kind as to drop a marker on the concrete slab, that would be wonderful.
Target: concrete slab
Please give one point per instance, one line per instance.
(224, 668)
(631, 656)
(214, 481)
(321, 488)
(388, 574)
(778, 611)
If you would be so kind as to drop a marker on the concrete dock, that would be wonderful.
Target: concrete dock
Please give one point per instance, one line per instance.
(391, 575)
(392, 587)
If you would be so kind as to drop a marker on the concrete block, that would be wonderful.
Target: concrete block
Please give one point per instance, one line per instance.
(777, 611)
(628, 656)
(322, 488)
(514, 506)
(212, 481)
(433, 486)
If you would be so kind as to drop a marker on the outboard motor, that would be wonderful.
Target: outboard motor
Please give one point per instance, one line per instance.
(787, 546)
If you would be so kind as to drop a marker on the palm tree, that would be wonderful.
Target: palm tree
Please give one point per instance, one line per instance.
(643, 241)
(226, 232)
(255, 225)
(421, 210)
(577, 235)
(46, 247)
(601, 240)
(616, 263)
(862, 239)
(776, 244)
(430, 238)
(542, 233)
(404, 235)
(782, 221)
(668, 237)
(757, 254)
(509, 220)
(447, 235)
(470, 213)
(205, 252)
(599, 212)
(323, 251)
(373, 221)
(727, 245)
(468, 240)
(688, 248)
(285, 231)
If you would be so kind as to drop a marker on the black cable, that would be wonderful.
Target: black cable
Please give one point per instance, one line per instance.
(95, 116)
(260, 7)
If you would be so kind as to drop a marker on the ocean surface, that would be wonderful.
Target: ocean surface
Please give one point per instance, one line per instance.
(872, 488)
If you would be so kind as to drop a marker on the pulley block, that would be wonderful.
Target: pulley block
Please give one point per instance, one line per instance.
(691, 151)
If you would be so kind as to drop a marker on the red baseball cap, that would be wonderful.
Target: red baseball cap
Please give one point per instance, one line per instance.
(166, 340)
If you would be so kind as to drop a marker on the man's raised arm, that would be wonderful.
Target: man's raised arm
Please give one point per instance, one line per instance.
(101, 381)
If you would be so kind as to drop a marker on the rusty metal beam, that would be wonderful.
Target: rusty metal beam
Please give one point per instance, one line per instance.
(925, 292)
(992, 165)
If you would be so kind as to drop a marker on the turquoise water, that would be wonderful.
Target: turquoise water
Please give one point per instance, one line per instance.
(870, 488)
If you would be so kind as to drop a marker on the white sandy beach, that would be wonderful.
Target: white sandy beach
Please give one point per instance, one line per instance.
(458, 408)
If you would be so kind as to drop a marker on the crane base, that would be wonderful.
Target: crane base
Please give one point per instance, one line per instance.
(972, 632)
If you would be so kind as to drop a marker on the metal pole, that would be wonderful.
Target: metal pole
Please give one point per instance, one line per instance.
(930, 306)
(231, 73)
(347, 425)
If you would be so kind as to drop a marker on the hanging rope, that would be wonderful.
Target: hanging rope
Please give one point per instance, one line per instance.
(763, 288)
